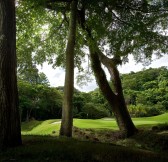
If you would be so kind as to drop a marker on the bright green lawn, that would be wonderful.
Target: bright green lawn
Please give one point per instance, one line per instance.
(46, 127)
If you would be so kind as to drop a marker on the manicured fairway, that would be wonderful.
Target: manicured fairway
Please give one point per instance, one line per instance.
(49, 126)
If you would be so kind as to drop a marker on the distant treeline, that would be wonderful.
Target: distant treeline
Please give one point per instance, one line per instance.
(146, 94)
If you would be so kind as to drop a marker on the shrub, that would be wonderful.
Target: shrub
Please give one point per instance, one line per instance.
(141, 110)
(92, 111)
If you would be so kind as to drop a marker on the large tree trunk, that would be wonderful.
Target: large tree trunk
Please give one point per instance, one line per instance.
(123, 117)
(67, 119)
(116, 100)
(10, 132)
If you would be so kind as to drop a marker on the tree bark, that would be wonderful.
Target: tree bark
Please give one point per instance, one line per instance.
(116, 100)
(123, 117)
(67, 119)
(10, 131)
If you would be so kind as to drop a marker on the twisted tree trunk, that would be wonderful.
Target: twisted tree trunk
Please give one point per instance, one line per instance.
(115, 99)
(10, 132)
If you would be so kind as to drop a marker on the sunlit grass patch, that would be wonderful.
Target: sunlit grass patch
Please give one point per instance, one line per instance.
(43, 128)
(51, 127)
(95, 124)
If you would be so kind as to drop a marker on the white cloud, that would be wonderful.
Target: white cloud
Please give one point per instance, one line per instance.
(163, 61)
(130, 66)
(56, 76)
(89, 87)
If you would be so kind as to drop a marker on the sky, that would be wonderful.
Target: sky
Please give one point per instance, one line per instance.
(56, 76)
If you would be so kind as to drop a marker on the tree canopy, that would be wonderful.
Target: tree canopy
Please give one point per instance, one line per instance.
(120, 29)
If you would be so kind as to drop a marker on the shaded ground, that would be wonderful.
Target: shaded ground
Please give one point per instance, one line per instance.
(154, 139)
(54, 149)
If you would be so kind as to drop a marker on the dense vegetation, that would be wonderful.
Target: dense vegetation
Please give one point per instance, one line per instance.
(39, 101)
(145, 92)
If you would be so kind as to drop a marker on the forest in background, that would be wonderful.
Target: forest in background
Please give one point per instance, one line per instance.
(146, 94)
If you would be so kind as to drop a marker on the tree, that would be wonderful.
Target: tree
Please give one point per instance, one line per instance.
(43, 44)
(67, 119)
(116, 98)
(39, 101)
(116, 35)
(32, 75)
(10, 134)
(78, 103)
(116, 101)
(148, 98)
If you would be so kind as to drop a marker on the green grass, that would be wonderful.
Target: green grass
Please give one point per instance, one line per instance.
(47, 148)
(95, 124)
(40, 127)
(46, 127)
(151, 121)
(38, 146)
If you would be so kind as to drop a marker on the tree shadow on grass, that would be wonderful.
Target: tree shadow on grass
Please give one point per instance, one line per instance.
(29, 125)
(47, 148)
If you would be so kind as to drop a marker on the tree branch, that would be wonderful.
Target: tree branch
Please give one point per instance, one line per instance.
(124, 22)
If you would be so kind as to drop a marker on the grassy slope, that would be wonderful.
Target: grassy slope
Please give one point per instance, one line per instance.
(46, 127)
(40, 127)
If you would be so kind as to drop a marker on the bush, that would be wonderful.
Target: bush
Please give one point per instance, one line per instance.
(141, 110)
(153, 111)
(156, 110)
(81, 115)
(91, 111)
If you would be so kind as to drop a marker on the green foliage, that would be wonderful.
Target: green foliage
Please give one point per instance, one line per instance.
(93, 111)
(32, 75)
(141, 110)
(39, 101)
(130, 27)
(99, 99)
(136, 81)
(90, 105)
(78, 103)
(146, 93)
(42, 34)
